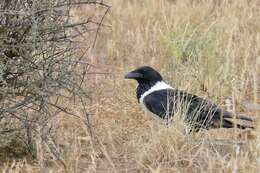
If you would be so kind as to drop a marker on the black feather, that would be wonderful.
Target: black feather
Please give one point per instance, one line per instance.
(198, 112)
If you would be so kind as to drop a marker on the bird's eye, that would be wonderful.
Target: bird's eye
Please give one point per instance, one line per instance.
(141, 71)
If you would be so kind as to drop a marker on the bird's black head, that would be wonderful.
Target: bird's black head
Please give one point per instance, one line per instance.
(144, 74)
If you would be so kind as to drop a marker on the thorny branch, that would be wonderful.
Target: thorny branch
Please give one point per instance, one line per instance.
(41, 68)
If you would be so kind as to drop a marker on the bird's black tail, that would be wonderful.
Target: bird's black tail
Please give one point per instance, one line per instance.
(226, 120)
(229, 124)
(241, 117)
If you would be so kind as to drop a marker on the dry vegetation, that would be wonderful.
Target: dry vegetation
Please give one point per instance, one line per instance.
(207, 47)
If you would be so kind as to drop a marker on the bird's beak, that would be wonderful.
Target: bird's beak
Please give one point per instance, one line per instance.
(133, 75)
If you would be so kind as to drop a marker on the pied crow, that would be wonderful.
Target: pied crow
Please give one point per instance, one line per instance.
(163, 101)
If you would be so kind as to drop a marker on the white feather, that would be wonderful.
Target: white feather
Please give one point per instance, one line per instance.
(158, 86)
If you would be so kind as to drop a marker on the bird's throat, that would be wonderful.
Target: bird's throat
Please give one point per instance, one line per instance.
(142, 88)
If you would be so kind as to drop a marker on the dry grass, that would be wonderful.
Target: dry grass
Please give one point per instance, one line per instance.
(211, 48)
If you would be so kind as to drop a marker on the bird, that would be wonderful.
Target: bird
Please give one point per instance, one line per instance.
(163, 101)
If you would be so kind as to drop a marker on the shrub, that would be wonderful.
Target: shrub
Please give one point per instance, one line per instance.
(40, 65)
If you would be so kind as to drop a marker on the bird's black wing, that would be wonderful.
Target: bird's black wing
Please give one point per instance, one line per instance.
(200, 112)
(165, 102)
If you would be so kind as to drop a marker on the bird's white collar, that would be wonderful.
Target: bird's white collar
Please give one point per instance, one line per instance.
(157, 86)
